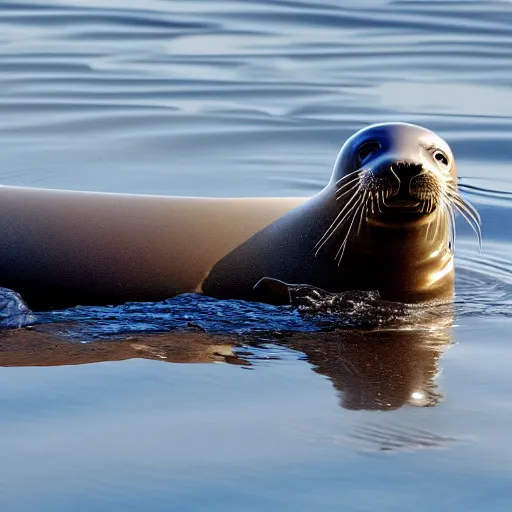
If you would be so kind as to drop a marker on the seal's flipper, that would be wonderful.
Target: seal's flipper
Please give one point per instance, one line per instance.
(273, 291)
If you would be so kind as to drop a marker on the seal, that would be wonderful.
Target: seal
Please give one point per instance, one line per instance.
(385, 222)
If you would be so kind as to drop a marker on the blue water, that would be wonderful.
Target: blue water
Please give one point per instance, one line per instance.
(254, 98)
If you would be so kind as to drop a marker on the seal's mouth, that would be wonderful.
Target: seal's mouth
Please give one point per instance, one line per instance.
(399, 204)
(403, 204)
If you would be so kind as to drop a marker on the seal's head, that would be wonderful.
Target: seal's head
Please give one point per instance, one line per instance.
(380, 146)
(396, 173)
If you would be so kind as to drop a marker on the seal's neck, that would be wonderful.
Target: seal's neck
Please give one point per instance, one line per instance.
(410, 261)
(406, 260)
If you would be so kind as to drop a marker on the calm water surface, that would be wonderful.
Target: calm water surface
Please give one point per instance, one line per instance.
(254, 98)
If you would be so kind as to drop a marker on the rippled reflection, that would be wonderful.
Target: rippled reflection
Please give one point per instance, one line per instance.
(372, 370)
(379, 370)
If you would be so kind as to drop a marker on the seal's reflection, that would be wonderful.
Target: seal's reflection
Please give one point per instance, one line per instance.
(374, 370)
(378, 370)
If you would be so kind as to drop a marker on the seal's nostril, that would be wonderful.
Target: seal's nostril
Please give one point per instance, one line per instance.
(405, 172)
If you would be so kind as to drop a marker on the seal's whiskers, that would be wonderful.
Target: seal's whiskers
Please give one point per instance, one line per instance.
(377, 196)
(356, 209)
(341, 250)
(444, 217)
(349, 175)
(383, 198)
(345, 182)
(351, 207)
(349, 191)
(363, 211)
(338, 221)
(451, 221)
(429, 225)
(471, 221)
(469, 209)
(454, 201)
(353, 180)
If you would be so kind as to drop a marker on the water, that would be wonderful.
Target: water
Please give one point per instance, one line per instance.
(254, 98)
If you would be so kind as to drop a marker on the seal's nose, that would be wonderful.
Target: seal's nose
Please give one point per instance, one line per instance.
(404, 172)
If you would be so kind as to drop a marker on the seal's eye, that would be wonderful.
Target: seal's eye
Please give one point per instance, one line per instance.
(367, 149)
(441, 158)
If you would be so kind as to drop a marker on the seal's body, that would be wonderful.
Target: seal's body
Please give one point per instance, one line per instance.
(62, 248)
(384, 222)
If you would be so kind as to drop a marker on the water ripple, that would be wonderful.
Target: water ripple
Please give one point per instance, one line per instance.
(255, 98)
